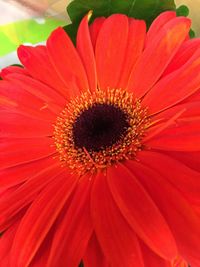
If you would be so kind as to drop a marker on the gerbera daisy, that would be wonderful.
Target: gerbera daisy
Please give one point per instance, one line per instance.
(100, 148)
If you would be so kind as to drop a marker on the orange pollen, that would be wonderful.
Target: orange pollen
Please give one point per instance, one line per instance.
(82, 160)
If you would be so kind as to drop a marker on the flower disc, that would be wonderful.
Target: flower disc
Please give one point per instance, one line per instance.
(99, 129)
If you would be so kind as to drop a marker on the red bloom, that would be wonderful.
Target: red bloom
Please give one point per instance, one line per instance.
(100, 148)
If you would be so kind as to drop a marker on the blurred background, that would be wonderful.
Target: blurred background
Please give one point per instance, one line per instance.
(194, 6)
(23, 9)
(19, 9)
(31, 21)
(27, 22)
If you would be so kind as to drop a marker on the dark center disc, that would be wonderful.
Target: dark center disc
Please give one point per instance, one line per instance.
(99, 127)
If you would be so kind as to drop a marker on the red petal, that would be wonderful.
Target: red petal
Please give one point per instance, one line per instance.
(193, 97)
(25, 194)
(179, 214)
(183, 136)
(94, 255)
(6, 241)
(158, 24)
(6, 192)
(6, 103)
(41, 258)
(151, 259)
(95, 28)
(16, 151)
(5, 262)
(191, 111)
(111, 49)
(158, 126)
(184, 54)
(180, 262)
(22, 101)
(190, 159)
(16, 175)
(175, 87)
(37, 89)
(86, 52)
(129, 194)
(36, 61)
(157, 55)
(43, 212)
(74, 231)
(118, 241)
(41, 261)
(15, 125)
(135, 45)
(67, 62)
(183, 178)
(12, 69)
(182, 113)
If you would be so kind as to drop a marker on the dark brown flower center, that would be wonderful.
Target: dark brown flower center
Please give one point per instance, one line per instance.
(99, 127)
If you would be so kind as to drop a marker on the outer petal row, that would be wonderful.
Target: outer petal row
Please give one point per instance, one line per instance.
(118, 241)
(157, 56)
(173, 205)
(77, 71)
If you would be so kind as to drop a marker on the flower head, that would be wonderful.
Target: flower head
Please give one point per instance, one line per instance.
(100, 147)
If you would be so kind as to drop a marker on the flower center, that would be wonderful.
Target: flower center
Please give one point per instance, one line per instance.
(99, 129)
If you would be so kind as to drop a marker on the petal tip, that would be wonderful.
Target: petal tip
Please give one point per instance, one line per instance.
(89, 15)
(186, 21)
(23, 53)
(59, 30)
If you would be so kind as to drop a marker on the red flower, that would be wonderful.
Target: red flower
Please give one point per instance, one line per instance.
(100, 148)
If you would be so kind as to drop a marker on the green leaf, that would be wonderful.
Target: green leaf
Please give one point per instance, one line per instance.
(141, 9)
(192, 34)
(78, 8)
(17, 65)
(147, 10)
(182, 11)
(71, 30)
